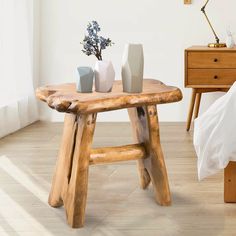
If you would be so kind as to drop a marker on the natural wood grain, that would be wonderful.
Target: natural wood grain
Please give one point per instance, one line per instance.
(191, 108)
(215, 77)
(76, 195)
(197, 106)
(230, 183)
(156, 164)
(139, 127)
(64, 98)
(71, 178)
(214, 60)
(63, 165)
(116, 154)
(146, 129)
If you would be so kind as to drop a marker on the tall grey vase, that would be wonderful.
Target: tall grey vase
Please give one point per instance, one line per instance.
(132, 68)
(84, 83)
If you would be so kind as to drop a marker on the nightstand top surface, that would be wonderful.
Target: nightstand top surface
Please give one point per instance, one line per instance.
(205, 48)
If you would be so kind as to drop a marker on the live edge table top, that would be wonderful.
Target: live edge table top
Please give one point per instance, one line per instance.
(64, 97)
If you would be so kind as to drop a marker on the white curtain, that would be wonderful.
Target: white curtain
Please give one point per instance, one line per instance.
(18, 106)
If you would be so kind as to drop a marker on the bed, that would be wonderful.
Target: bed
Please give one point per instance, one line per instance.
(215, 142)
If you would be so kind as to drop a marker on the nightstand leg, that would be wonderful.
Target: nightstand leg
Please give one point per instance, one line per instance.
(197, 105)
(190, 114)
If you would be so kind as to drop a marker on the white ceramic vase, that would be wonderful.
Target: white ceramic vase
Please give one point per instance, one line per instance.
(132, 68)
(104, 76)
(230, 41)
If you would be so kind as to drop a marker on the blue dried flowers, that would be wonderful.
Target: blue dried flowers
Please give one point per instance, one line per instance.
(93, 44)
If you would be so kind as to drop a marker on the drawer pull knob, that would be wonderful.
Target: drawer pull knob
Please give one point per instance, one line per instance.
(215, 60)
(216, 77)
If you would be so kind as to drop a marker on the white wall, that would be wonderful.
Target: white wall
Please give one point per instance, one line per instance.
(36, 42)
(164, 27)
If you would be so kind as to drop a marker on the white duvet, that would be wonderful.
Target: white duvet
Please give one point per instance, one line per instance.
(215, 135)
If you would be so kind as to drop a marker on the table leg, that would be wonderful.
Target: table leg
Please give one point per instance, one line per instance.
(146, 129)
(230, 183)
(191, 107)
(71, 177)
(63, 162)
(76, 195)
(139, 126)
(197, 106)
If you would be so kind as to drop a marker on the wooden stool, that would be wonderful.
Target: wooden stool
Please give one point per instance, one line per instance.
(70, 180)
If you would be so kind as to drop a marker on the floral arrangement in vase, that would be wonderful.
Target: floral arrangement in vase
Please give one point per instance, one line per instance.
(94, 44)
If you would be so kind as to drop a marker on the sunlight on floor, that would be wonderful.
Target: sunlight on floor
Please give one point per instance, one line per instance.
(26, 221)
(23, 179)
(116, 205)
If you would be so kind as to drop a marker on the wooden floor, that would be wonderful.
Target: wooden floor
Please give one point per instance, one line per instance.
(116, 205)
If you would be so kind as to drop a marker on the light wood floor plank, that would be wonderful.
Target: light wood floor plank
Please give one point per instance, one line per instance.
(116, 205)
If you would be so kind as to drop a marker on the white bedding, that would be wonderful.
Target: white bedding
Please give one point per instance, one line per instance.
(215, 135)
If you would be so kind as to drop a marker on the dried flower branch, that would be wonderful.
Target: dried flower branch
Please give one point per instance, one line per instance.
(93, 44)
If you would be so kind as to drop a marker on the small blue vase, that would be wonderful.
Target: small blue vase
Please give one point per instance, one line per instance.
(84, 83)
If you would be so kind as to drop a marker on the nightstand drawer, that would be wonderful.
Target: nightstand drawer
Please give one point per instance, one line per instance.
(211, 77)
(211, 60)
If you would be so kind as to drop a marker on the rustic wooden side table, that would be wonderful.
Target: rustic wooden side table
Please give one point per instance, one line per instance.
(70, 180)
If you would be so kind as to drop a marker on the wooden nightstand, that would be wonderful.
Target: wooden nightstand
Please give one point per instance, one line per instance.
(208, 70)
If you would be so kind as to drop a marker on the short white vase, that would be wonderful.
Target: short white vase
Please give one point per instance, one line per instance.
(132, 68)
(104, 76)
